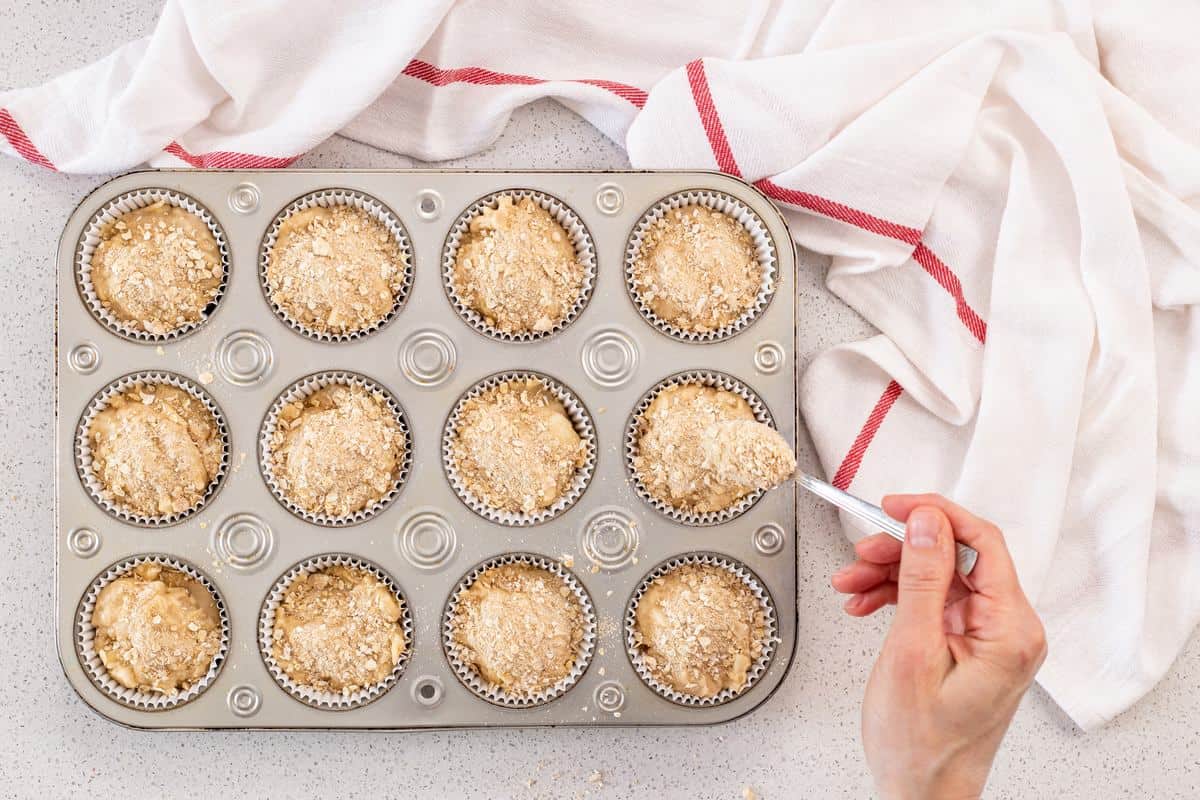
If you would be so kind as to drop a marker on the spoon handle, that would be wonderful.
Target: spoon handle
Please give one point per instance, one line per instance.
(873, 515)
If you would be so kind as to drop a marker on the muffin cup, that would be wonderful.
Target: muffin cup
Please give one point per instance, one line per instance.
(89, 659)
(770, 632)
(330, 701)
(581, 238)
(299, 391)
(470, 678)
(111, 212)
(580, 419)
(327, 198)
(764, 248)
(633, 435)
(83, 446)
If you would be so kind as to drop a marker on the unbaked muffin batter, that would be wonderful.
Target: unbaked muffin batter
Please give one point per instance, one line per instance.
(155, 450)
(700, 629)
(337, 450)
(515, 447)
(335, 270)
(697, 269)
(745, 452)
(520, 627)
(157, 630)
(517, 268)
(157, 268)
(338, 630)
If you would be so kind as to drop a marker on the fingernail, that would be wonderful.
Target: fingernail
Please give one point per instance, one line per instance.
(841, 572)
(853, 602)
(923, 527)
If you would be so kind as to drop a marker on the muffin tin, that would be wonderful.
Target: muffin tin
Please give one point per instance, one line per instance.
(426, 538)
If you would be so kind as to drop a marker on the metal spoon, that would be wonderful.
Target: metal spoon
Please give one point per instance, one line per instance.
(873, 515)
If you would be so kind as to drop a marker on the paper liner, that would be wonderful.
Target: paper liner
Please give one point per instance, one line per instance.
(581, 238)
(89, 659)
(579, 417)
(112, 211)
(330, 701)
(302, 389)
(770, 632)
(326, 198)
(83, 446)
(764, 247)
(470, 678)
(633, 435)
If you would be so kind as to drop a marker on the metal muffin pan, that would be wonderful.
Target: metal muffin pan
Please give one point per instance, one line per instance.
(243, 540)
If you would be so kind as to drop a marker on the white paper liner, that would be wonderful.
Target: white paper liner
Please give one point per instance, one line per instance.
(88, 241)
(302, 389)
(89, 659)
(326, 198)
(580, 419)
(581, 238)
(331, 701)
(467, 674)
(764, 247)
(83, 446)
(633, 436)
(770, 632)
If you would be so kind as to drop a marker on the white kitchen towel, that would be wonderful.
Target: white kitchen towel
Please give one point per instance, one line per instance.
(1009, 191)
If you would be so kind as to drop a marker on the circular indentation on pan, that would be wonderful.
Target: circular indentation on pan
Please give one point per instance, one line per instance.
(90, 239)
(580, 419)
(609, 198)
(633, 435)
(328, 198)
(764, 247)
(316, 698)
(769, 539)
(585, 254)
(609, 696)
(244, 358)
(427, 540)
(470, 678)
(610, 538)
(84, 358)
(768, 357)
(83, 446)
(85, 638)
(244, 541)
(244, 198)
(429, 205)
(428, 691)
(610, 357)
(770, 628)
(428, 357)
(83, 542)
(244, 701)
(297, 392)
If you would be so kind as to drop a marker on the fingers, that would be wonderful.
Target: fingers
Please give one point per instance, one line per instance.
(861, 576)
(879, 548)
(870, 601)
(923, 581)
(994, 573)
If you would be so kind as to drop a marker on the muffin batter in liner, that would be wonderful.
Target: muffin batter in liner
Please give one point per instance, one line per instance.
(302, 389)
(110, 213)
(770, 633)
(581, 238)
(470, 678)
(764, 248)
(83, 446)
(89, 659)
(633, 434)
(331, 701)
(580, 419)
(327, 198)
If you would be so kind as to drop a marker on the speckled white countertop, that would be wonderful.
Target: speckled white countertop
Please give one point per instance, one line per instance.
(801, 743)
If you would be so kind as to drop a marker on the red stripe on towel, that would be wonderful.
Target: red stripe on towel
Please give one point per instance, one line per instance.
(24, 146)
(226, 160)
(478, 76)
(850, 464)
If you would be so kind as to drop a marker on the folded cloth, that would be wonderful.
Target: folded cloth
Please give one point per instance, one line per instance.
(1010, 194)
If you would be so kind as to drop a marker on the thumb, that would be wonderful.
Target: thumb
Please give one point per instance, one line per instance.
(923, 581)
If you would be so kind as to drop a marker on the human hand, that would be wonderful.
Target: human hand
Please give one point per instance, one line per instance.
(956, 660)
